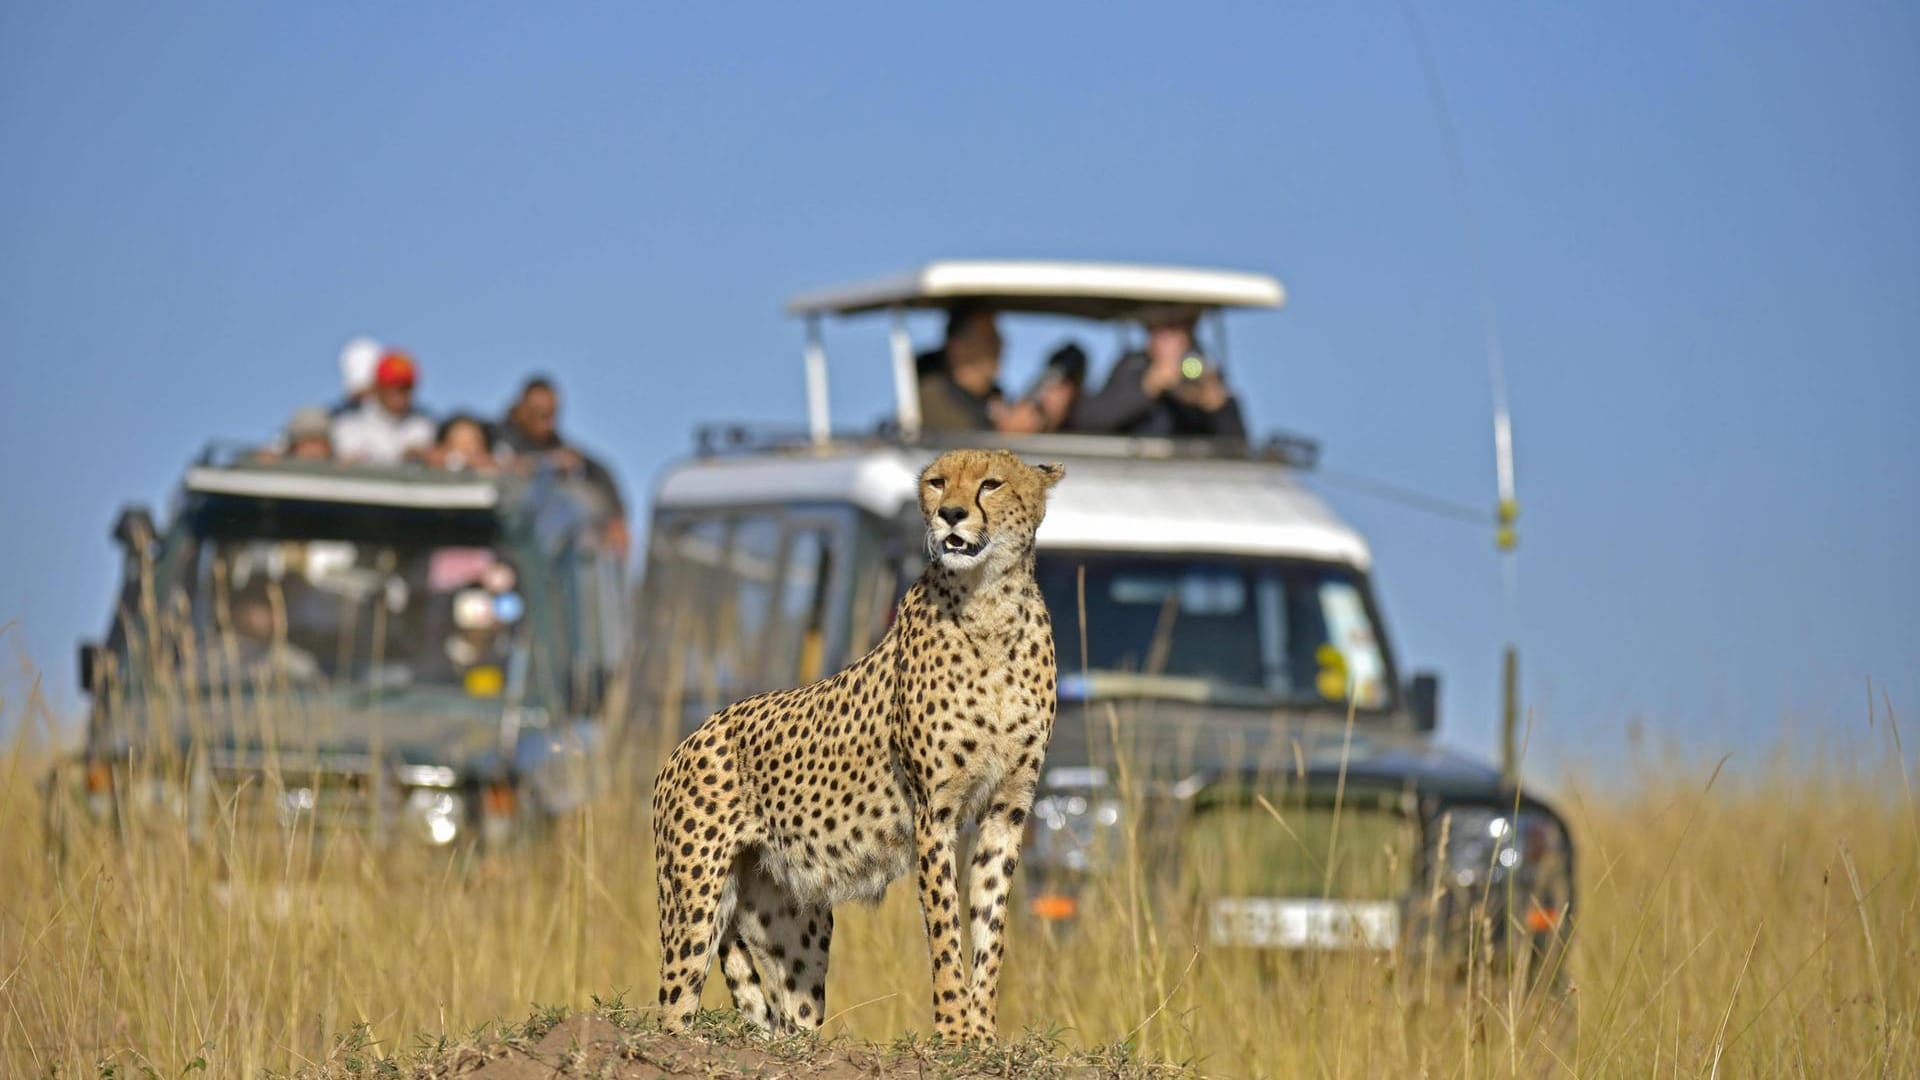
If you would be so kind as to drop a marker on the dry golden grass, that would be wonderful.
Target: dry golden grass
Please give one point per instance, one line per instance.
(1763, 923)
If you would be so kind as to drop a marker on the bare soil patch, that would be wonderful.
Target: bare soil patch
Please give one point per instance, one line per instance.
(623, 1044)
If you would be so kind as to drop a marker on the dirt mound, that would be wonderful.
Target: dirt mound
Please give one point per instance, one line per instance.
(627, 1046)
(595, 1046)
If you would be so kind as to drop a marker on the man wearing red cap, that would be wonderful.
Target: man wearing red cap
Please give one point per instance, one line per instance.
(386, 427)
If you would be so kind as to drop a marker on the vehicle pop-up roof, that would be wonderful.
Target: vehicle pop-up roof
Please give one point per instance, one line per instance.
(1105, 291)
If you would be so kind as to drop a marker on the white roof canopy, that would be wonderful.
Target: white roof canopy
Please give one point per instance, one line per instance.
(1086, 289)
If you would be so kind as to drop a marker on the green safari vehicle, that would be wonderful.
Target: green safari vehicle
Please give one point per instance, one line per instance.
(412, 657)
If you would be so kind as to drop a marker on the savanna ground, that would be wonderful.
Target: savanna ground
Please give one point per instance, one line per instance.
(1754, 919)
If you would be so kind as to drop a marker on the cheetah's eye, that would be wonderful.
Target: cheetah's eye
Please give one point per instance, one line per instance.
(988, 485)
(936, 483)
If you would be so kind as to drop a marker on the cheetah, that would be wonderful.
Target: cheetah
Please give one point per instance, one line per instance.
(784, 805)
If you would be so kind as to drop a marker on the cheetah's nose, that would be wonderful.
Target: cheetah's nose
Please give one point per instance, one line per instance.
(953, 515)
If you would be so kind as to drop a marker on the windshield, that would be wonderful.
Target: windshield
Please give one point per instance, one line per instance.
(1252, 632)
(386, 615)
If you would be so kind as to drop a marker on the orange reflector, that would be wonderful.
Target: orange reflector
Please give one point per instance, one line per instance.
(99, 777)
(1055, 907)
(500, 800)
(1542, 919)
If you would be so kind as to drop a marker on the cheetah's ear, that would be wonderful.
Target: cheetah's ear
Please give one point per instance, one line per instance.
(1052, 472)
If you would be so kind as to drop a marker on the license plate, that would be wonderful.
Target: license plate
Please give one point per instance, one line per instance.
(1306, 924)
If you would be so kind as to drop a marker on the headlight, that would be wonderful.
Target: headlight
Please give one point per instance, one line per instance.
(1499, 878)
(1073, 831)
(435, 814)
(1485, 845)
(431, 776)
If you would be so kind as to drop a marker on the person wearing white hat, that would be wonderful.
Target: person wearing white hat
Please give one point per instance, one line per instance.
(359, 359)
(386, 428)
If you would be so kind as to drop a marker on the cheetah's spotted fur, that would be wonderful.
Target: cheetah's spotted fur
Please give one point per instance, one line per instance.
(785, 804)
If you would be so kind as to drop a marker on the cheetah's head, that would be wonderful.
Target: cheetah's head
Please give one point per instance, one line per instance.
(982, 506)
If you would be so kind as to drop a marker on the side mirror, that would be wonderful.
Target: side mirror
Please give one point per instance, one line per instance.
(1423, 701)
(87, 664)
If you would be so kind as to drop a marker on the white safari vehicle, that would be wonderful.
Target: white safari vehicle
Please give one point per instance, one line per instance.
(1217, 630)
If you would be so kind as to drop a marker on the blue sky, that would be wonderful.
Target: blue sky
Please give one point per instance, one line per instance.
(1699, 222)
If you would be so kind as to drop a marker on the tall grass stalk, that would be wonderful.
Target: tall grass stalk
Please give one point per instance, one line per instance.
(1754, 918)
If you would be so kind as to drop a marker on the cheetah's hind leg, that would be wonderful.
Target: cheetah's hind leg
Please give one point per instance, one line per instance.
(697, 900)
(789, 942)
(743, 982)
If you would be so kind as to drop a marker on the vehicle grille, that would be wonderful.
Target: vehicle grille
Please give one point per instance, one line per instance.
(305, 801)
(1241, 849)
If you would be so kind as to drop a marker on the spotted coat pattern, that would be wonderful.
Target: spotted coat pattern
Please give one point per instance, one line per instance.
(783, 805)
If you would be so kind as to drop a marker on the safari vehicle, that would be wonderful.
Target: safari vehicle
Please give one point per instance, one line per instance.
(410, 656)
(1231, 704)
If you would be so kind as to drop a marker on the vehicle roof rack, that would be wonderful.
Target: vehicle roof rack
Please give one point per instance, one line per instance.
(229, 468)
(225, 453)
(317, 483)
(718, 440)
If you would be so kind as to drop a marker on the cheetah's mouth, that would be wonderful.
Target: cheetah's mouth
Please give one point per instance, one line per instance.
(955, 544)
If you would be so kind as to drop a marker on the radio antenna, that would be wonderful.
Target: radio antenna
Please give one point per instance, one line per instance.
(1507, 510)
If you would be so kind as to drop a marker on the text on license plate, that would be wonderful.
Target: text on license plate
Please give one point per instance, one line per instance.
(1306, 924)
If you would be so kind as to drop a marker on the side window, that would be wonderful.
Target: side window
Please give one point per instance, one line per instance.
(610, 581)
(739, 602)
(1351, 633)
(574, 601)
(684, 586)
(752, 560)
(875, 595)
(885, 566)
(597, 628)
(796, 647)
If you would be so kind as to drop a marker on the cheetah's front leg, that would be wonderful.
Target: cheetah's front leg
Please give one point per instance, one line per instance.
(996, 857)
(937, 838)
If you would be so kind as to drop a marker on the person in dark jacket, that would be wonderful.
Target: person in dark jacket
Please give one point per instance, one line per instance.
(530, 433)
(959, 390)
(1165, 389)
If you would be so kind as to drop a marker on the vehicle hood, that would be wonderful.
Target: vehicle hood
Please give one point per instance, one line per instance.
(347, 730)
(1182, 748)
